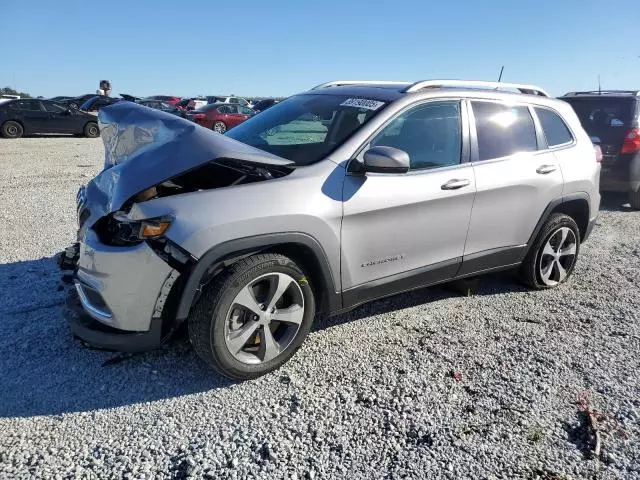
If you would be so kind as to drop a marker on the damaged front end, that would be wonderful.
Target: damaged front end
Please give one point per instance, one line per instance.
(127, 275)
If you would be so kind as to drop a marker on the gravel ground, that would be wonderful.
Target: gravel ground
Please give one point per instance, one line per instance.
(423, 385)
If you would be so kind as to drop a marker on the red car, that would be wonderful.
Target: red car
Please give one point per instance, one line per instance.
(220, 116)
(166, 99)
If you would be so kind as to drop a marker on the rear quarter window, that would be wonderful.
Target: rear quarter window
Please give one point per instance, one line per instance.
(503, 130)
(555, 130)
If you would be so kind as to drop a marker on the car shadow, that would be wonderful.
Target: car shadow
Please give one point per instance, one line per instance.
(615, 202)
(45, 371)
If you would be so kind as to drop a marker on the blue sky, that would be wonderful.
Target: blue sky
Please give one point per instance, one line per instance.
(274, 47)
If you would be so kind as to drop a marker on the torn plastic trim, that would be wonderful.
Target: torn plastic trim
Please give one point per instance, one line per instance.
(172, 254)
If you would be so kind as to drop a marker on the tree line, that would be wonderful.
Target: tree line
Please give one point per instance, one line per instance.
(11, 91)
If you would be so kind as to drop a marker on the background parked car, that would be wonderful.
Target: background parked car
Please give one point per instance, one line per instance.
(130, 98)
(170, 99)
(188, 104)
(76, 102)
(27, 116)
(165, 107)
(220, 116)
(61, 98)
(261, 105)
(613, 117)
(94, 104)
(232, 99)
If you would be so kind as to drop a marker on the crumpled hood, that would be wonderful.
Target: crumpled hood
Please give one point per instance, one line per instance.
(144, 147)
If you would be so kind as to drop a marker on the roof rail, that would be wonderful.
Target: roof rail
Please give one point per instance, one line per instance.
(603, 92)
(338, 83)
(476, 84)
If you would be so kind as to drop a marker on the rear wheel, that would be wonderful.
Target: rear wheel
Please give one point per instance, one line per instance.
(553, 255)
(219, 127)
(12, 129)
(634, 199)
(253, 317)
(91, 130)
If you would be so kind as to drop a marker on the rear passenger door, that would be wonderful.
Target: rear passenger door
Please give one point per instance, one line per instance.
(514, 183)
(35, 119)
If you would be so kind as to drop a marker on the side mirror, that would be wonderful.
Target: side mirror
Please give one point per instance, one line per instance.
(386, 160)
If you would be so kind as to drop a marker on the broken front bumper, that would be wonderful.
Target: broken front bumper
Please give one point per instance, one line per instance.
(118, 294)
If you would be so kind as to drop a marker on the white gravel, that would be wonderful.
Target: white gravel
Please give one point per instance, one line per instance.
(370, 395)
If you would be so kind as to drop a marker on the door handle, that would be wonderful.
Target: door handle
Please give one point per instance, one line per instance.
(455, 183)
(545, 169)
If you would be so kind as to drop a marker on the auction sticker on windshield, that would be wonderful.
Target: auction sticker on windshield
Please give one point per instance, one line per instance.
(362, 103)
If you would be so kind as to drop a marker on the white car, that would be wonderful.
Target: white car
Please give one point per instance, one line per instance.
(231, 99)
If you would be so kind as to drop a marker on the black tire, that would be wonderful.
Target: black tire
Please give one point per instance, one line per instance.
(530, 270)
(207, 321)
(222, 127)
(634, 199)
(11, 129)
(91, 130)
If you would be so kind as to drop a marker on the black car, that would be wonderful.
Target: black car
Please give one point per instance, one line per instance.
(613, 117)
(95, 103)
(27, 116)
(261, 105)
(61, 98)
(76, 102)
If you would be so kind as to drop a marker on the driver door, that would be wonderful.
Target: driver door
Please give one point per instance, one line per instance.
(402, 231)
(59, 119)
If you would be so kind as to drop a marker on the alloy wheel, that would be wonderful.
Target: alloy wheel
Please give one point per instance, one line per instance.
(220, 127)
(264, 318)
(558, 256)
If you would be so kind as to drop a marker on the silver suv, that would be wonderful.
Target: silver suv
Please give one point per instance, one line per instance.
(346, 193)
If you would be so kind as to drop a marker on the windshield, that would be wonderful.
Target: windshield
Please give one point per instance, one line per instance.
(306, 128)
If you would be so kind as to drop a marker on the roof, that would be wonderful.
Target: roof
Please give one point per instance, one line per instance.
(387, 93)
(603, 93)
(376, 86)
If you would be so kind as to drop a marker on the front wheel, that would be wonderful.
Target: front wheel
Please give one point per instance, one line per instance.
(219, 127)
(553, 255)
(253, 317)
(91, 130)
(12, 129)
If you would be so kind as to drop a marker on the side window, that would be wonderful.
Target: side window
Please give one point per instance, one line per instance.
(225, 109)
(555, 130)
(503, 130)
(233, 100)
(245, 110)
(431, 134)
(53, 107)
(30, 105)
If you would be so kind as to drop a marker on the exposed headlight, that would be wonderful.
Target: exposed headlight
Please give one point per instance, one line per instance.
(118, 229)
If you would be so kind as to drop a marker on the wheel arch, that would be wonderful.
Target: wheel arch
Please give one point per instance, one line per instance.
(302, 248)
(576, 205)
